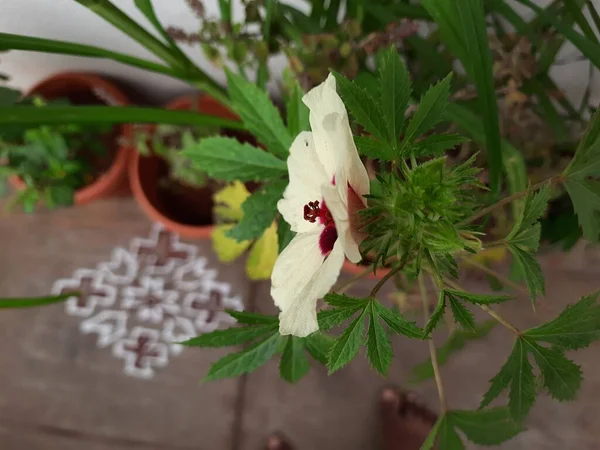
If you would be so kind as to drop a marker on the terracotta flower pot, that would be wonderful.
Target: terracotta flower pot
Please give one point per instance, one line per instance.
(354, 269)
(145, 173)
(86, 89)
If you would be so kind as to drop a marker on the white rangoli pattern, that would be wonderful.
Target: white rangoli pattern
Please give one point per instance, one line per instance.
(147, 299)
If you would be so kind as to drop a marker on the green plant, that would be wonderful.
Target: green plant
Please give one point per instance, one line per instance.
(52, 162)
(419, 221)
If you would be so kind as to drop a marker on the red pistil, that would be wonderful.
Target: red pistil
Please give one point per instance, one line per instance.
(314, 210)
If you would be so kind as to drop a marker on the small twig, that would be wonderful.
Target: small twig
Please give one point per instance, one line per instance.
(432, 349)
(389, 275)
(493, 273)
(511, 198)
(487, 309)
(345, 285)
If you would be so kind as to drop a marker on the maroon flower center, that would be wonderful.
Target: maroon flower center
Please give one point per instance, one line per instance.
(314, 211)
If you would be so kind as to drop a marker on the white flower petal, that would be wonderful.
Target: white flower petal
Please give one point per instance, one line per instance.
(339, 212)
(301, 318)
(307, 175)
(300, 277)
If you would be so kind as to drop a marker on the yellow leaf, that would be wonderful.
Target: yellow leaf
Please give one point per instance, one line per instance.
(263, 255)
(228, 249)
(228, 202)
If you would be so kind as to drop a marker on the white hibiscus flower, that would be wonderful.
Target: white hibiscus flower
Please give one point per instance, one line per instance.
(326, 189)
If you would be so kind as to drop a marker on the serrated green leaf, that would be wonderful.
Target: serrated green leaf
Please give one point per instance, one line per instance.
(448, 438)
(374, 149)
(60, 195)
(259, 115)
(517, 375)
(486, 427)
(294, 363)
(32, 302)
(227, 159)
(231, 336)
(319, 345)
(345, 301)
(585, 195)
(250, 318)
(226, 248)
(297, 112)
(347, 345)
(284, 234)
(395, 93)
(437, 144)
(399, 324)
(379, 347)
(533, 209)
(330, 318)
(576, 327)
(245, 361)
(528, 240)
(560, 376)
(478, 299)
(432, 436)
(462, 315)
(531, 270)
(364, 109)
(429, 113)
(437, 314)
(259, 210)
(456, 341)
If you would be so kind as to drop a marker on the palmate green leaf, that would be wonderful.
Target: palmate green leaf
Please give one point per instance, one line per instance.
(345, 301)
(448, 438)
(395, 92)
(297, 112)
(535, 206)
(429, 112)
(437, 314)
(462, 315)
(432, 436)
(560, 376)
(464, 31)
(576, 327)
(456, 341)
(437, 144)
(347, 345)
(227, 159)
(231, 336)
(486, 427)
(531, 270)
(32, 302)
(379, 347)
(319, 345)
(374, 149)
(364, 109)
(284, 234)
(250, 318)
(517, 376)
(397, 323)
(258, 114)
(333, 317)
(260, 210)
(294, 363)
(477, 299)
(246, 360)
(528, 240)
(585, 195)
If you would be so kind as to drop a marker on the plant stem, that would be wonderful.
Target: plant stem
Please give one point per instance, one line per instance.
(389, 275)
(432, 349)
(344, 286)
(511, 198)
(493, 273)
(487, 309)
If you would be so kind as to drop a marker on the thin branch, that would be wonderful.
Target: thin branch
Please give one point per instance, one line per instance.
(511, 198)
(345, 285)
(432, 349)
(493, 273)
(389, 275)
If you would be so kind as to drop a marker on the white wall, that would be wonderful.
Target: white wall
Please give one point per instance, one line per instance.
(69, 21)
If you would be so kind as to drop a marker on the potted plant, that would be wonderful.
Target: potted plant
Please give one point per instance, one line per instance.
(66, 164)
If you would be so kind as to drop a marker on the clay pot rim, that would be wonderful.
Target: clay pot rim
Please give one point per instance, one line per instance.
(107, 181)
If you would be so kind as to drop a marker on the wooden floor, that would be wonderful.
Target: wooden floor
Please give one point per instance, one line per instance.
(59, 391)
